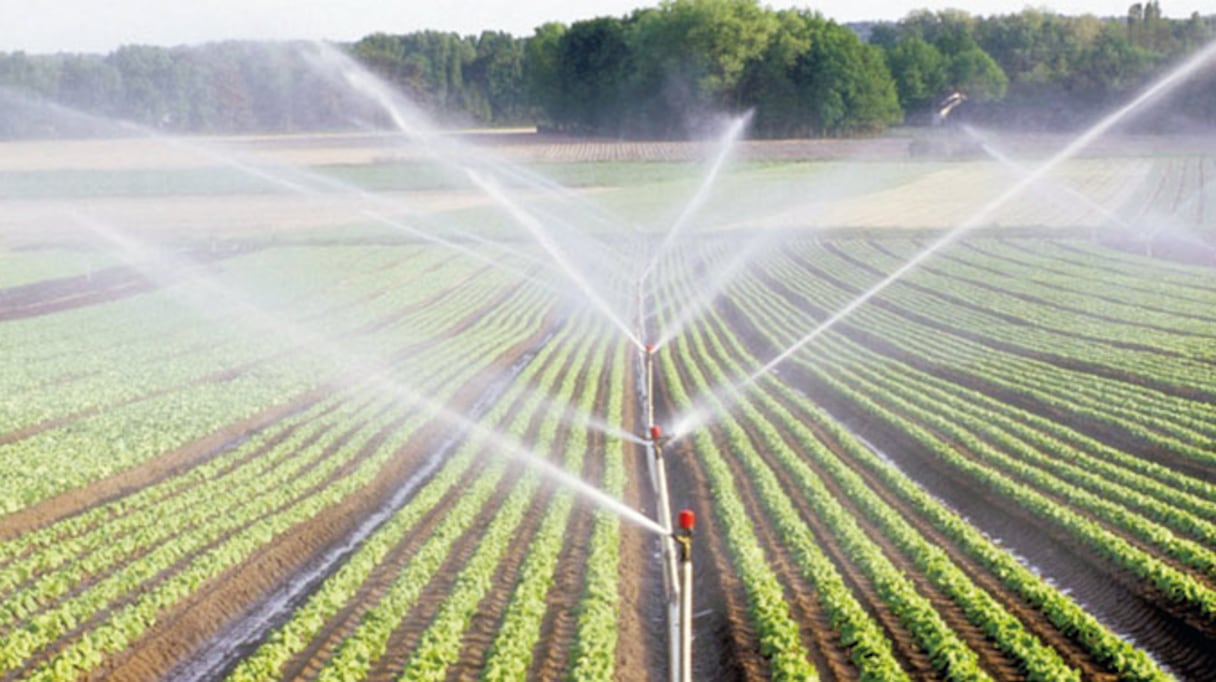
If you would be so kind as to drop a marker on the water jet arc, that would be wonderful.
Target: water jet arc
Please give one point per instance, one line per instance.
(732, 393)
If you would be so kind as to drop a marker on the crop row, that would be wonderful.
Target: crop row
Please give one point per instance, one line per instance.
(1091, 261)
(227, 540)
(55, 538)
(161, 421)
(1160, 307)
(337, 590)
(1179, 585)
(177, 345)
(1162, 508)
(870, 649)
(1017, 375)
(948, 653)
(1058, 345)
(1070, 618)
(1038, 307)
(1027, 462)
(439, 645)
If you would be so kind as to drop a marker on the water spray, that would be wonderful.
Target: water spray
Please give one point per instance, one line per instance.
(731, 392)
(726, 145)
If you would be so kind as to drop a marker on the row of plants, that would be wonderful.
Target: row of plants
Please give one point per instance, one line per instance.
(1110, 303)
(1005, 371)
(52, 544)
(1114, 262)
(28, 266)
(1180, 586)
(1036, 660)
(337, 591)
(1051, 309)
(593, 652)
(947, 652)
(870, 649)
(439, 646)
(1180, 512)
(55, 538)
(198, 556)
(151, 343)
(1029, 464)
(157, 324)
(127, 433)
(1085, 458)
(778, 634)
(367, 641)
(1071, 619)
(993, 331)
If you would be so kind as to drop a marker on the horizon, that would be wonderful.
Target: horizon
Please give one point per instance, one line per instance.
(75, 27)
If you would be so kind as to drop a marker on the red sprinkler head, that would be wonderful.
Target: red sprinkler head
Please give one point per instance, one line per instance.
(656, 432)
(688, 520)
(650, 349)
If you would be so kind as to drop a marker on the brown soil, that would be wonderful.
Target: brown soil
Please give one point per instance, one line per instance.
(551, 656)
(818, 635)
(151, 472)
(104, 286)
(725, 643)
(1112, 433)
(641, 649)
(1020, 529)
(405, 638)
(1075, 568)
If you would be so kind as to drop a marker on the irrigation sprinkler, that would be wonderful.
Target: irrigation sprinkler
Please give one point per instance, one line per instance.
(683, 537)
(657, 440)
(679, 625)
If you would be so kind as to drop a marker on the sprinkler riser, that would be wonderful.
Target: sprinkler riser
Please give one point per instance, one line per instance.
(683, 538)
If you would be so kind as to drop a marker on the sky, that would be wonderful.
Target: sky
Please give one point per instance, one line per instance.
(47, 26)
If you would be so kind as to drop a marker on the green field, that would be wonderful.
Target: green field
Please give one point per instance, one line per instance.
(224, 399)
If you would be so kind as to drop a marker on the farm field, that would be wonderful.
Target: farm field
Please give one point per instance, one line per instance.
(250, 431)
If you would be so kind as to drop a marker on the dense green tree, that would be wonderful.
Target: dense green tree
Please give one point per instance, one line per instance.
(976, 74)
(688, 58)
(770, 84)
(497, 71)
(542, 55)
(592, 62)
(148, 88)
(670, 70)
(88, 83)
(964, 65)
(845, 84)
(919, 71)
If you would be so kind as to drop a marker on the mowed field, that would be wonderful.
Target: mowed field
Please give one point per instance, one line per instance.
(257, 423)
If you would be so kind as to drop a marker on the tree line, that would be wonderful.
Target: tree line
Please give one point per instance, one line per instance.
(665, 71)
